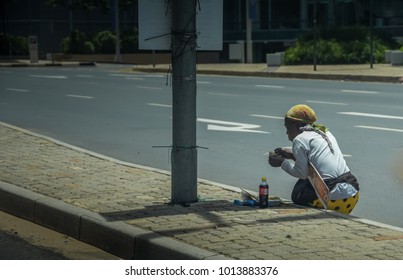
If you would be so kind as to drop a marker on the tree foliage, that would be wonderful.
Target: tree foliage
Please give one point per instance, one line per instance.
(102, 42)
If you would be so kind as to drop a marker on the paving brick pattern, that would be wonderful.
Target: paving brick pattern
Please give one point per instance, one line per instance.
(141, 197)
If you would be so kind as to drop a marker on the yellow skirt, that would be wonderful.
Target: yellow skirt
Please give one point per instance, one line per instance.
(344, 206)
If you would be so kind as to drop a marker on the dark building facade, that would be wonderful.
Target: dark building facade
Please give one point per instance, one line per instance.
(275, 24)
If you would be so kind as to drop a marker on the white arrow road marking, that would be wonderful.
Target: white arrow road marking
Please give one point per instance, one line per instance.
(218, 125)
(159, 105)
(371, 115)
(48, 76)
(380, 128)
(230, 126)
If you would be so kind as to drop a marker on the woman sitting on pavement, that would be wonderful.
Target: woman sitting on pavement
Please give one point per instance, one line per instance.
(316, 144)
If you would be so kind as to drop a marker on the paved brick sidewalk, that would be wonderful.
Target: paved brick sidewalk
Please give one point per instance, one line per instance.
(140, 197)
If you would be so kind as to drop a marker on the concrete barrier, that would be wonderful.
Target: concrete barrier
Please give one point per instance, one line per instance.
(275, 59)
(388, 56)
(396, 58)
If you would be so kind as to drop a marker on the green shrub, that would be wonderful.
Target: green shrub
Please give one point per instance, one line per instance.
(379, 51)
(356, 52)
(300, 54)
(65, 45)
(77, 41)
(88, 48)
(329, 52)
(349, 45)
(104, 42)
(18, 45)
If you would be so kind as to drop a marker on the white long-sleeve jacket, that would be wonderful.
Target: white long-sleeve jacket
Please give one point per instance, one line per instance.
(311, 146)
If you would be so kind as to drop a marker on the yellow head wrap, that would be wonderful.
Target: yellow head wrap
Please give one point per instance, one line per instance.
(301, 113)
(304, 114)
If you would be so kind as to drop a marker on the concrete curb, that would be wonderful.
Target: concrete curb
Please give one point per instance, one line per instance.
(340, 77)
(268, 74)
(48, 64)
(115, 237)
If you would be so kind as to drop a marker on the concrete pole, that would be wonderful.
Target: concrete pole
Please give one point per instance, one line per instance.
(117, 32)
(315, 35)
(184, 149)
(249, 46)
(371, 30)
(70, 17)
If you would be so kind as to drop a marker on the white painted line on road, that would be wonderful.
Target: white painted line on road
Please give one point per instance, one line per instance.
(269, 86)
(17, 89)
(153, 88)
(371, 115)
(48, 77)
(221, 94)
(345, 155)
(230, 126)
(379, 128)
(359, 91)
(134, 78)
(267, 117)
(80, 96)
(127, 76)
(160, 105)
(326, 102)
(203, 82)
(121, 75)
(154, 76)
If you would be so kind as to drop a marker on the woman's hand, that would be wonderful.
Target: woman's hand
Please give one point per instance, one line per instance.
(285, 153)
(275, 160)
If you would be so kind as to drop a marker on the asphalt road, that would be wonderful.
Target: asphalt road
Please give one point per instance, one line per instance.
(23, 240)
(15, 248)
(125, 115)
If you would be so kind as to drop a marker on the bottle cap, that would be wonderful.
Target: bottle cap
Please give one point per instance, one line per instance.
(264, 178)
